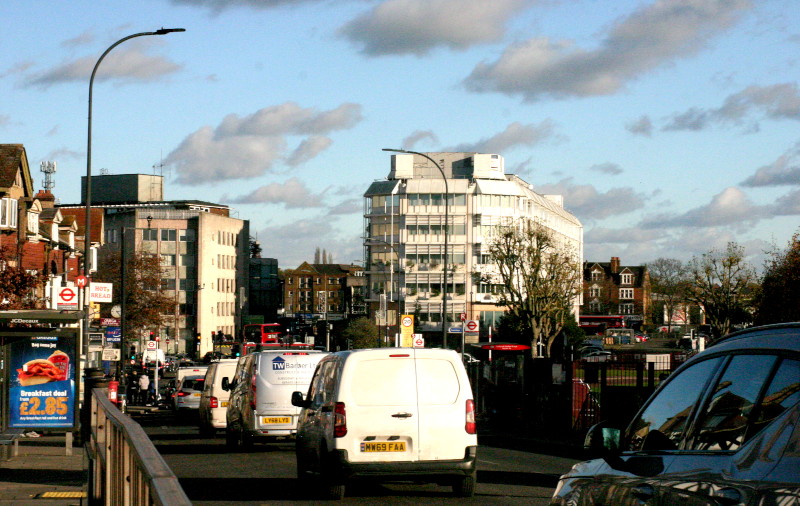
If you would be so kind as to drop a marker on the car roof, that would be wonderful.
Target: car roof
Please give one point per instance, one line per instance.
(779, 336)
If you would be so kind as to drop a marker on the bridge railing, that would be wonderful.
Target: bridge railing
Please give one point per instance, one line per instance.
(124, 466)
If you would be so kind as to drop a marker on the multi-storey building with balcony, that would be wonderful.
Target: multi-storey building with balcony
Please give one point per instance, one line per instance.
(404, 238)
(610, 288)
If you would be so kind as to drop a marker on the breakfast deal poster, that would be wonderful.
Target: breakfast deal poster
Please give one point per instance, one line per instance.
(42, 382)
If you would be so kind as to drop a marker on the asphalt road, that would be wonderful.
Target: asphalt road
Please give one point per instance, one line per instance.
(210, 474)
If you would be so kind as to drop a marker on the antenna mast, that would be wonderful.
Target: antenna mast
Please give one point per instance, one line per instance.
(49, 168)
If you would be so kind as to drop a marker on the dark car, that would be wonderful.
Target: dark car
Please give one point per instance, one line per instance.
(722, 429)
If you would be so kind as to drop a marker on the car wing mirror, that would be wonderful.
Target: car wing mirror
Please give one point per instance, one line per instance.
(226, 384)
(299, 400)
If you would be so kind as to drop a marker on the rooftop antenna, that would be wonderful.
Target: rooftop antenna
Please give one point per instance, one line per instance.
(49, 168)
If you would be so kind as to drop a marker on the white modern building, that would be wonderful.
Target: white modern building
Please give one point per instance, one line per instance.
(404, 240)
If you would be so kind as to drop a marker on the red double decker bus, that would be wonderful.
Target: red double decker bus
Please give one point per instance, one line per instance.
(263, 333)
(597, 324)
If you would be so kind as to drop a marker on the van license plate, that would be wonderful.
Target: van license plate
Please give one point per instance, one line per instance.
(383, 446)
(276, 419)
(224, 404)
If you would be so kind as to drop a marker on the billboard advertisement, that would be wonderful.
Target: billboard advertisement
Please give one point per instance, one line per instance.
(41, 388)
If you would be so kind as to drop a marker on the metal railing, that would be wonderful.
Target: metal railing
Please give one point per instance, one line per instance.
(124, 466)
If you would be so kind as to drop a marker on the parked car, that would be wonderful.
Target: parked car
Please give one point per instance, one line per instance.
(187, 394)
(391, 414)
(214, 398)
(722, 429)
(260, 404)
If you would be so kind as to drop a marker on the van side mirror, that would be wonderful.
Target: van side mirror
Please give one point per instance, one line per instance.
(226, 385)
(299, 400)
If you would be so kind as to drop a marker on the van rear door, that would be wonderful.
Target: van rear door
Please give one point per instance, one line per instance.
(381, 412)
(443, 389)
(280, 374)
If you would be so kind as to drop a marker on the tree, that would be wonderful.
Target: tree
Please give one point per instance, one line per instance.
(17, 286)
(541, 277)
(361, 333)
(668, 282)
(721, 283)
(255, 248)
(778, 296)
(147, 306)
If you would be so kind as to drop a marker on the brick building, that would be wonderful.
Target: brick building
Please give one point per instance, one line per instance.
(610, 288)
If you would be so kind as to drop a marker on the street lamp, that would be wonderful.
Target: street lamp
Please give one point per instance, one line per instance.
(446, 233)
(88, 223)
(391, 281)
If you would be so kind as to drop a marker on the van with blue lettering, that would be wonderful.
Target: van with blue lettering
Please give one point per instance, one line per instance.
(260, 405)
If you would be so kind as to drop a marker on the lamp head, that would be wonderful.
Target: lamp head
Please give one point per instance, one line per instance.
(164, 31)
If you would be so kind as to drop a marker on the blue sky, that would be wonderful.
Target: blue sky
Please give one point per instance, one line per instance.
(670, 127)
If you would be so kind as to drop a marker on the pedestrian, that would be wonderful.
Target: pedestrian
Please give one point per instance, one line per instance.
(144, 388)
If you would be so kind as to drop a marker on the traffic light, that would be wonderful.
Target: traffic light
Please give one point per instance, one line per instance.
(132, 353)
(236, 350)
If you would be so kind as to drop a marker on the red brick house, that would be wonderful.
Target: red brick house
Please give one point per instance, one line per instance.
(610, 288)
(34, 235)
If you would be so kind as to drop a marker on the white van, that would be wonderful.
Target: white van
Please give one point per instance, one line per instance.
(260, 406)
(395, 414)
(214, 399)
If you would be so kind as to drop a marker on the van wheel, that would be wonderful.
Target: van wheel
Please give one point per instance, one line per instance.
(464, 486)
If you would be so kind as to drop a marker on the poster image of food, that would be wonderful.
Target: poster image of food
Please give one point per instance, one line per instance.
(42, 382)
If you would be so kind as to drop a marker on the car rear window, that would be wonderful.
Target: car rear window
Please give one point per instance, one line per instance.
(193, 384)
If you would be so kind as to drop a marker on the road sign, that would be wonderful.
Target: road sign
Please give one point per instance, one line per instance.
(455, 330)
(463, 316)
(408, 321)
(111, 354)
(472, 326)
(419, 341)
(152, 345)
(81, 281)
(100, 292)
(67, 298)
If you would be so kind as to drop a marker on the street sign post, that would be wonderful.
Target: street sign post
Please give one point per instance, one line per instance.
(67, 298)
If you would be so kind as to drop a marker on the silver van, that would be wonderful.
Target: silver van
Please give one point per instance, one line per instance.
(260, 405)
(214, 398)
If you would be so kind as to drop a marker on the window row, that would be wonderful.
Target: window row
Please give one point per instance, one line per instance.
(168, 235)
(227, 238)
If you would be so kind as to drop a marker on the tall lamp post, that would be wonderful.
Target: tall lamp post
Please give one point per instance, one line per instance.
(87, 233)
(446, 233)
(392, 291)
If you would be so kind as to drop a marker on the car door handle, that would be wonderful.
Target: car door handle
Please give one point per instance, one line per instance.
(402, 415)
(643, 492)
(727, 495)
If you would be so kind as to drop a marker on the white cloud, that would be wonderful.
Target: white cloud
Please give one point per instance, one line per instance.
(778, 101)
(249, 146)
(611, 169)
(293, 194)
(651, 37)
(126, 64)
(729, 207)
(585, 202)
(293, 243)
(783, 171)
(641, 126)
(418, 26)
(516, 134)
(417, 136)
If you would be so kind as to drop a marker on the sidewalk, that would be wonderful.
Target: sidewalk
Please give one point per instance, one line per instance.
(42, 474)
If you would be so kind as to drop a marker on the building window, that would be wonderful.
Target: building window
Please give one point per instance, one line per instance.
(169, 234)
(168, 284)
(594, 291)
(8, 212)
(594, 307)
(626, 308)
(187, 235)
(627, 279)
(626, 293)
(150, 234)
(597, 275)
(167, 260)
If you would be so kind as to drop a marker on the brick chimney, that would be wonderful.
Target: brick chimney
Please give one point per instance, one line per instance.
(614, 265)
(46, 198)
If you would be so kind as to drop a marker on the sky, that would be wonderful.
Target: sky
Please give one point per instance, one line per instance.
(670, 127)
